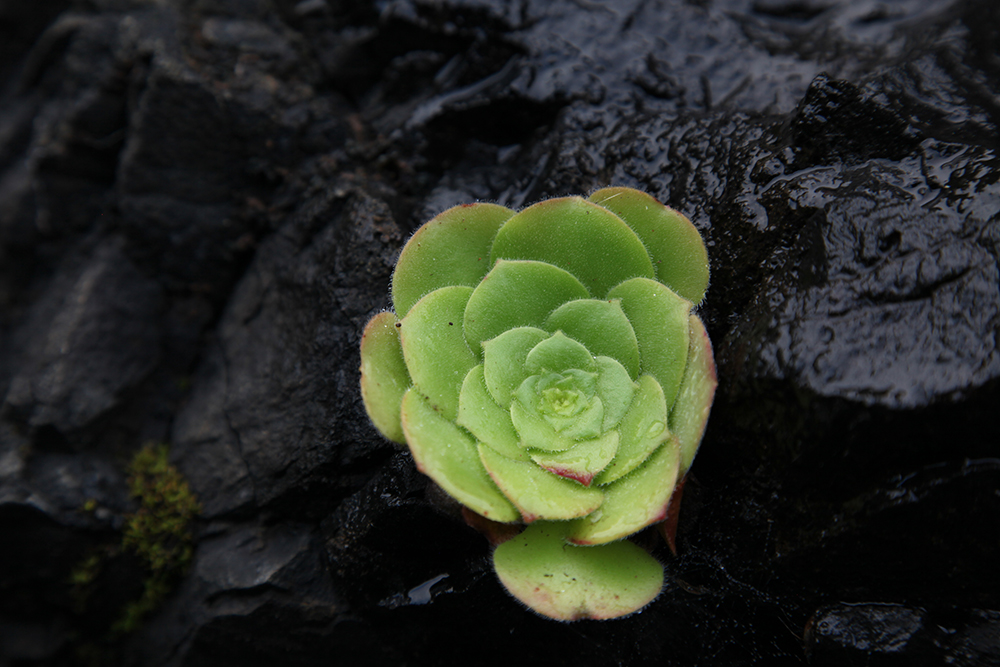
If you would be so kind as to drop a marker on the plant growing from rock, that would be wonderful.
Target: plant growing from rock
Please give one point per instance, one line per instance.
(545, 368)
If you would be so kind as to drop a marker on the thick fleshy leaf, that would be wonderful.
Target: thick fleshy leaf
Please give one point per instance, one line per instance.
(642, 429)
(451, 249)
(616, 390)
(481, 416)
(443, 452)
(569, 405)
(582, 461)
(535, 432)
(602, 327)
(633, 502)
(517, 294)
(536, 493)
(384, 378)
(583, 426)
(587, 240)
(694, 401)
(659, 318)
(503, 361)
(571, 583)
(434, 348)
(559, 352)
(674, 244)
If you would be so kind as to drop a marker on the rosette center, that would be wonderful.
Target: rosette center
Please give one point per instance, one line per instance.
(564, 394)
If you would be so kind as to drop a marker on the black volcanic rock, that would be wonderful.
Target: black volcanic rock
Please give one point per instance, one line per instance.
(201, 202)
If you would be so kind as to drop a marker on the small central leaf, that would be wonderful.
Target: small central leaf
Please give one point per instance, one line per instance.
(562, 402)
(566, 401)
(565, 394)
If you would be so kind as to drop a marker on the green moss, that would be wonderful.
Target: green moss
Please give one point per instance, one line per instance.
(158, 532)
(82, 578)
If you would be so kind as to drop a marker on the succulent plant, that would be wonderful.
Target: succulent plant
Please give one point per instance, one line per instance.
(545, 367)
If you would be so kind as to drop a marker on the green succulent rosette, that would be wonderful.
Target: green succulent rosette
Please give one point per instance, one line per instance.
(545, 367)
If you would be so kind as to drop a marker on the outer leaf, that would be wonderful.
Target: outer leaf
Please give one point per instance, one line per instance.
(642, 430)
(503, 360)
(447, 455)
(435, 349)
(616, 390)
(480, 414)
(384, 378)
(633, 502)
(451, 249)
(674, 244)
(694, 401)
(517, 294)
(582, 461)
(660, 320)
(571, 583)
(602, 327)
(585, 239)
(536, 493)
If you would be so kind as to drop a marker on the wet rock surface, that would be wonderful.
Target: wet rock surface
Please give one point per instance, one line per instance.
(200, 205)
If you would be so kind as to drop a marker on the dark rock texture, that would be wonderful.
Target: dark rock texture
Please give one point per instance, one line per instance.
(201, 202)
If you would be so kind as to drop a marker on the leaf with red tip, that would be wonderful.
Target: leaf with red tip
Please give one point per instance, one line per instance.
(568, 583)
(668, 527)
(536, 493)
(497, 533)
(384, 378)
(582, 461)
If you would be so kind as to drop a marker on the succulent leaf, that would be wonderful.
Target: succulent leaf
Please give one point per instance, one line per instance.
(585, 239)
(443, 452)
(642, 430)
(434, 348)
(568, 584)
(602, 327)
(546, 369)
(637, 500)
(537, 493)
(504, 358)
(674, 244)
(384, 378)
(535, 432)
(559, 352)
(694, 401)
(616, 390)
(488, 422)
(659, 318)
(582, 461)
(509, 297)
(451, 249)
